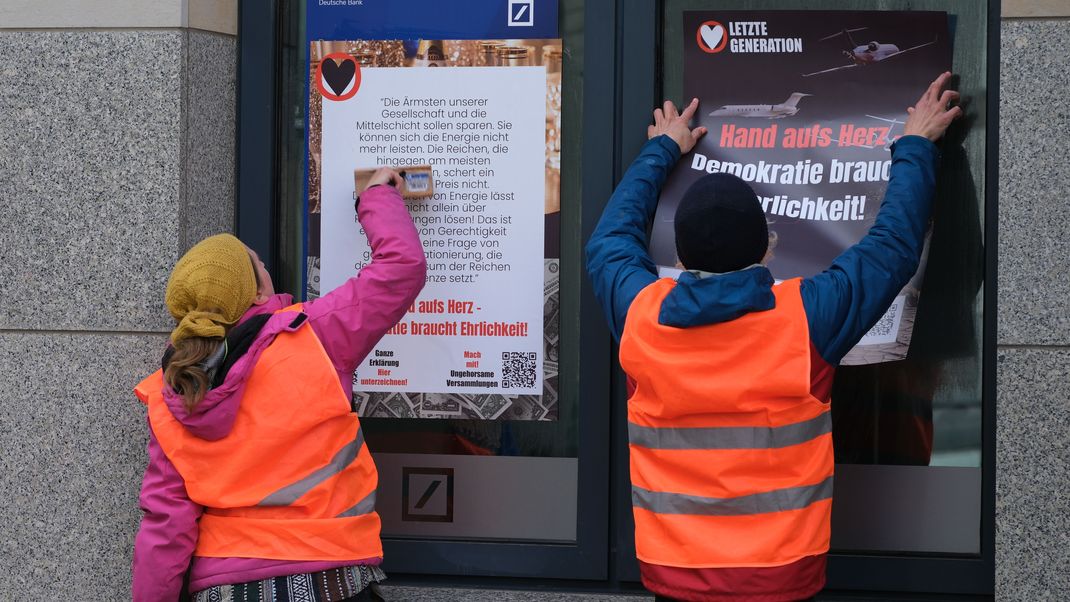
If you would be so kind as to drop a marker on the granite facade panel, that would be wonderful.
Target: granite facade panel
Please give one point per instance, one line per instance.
(1034, 184)
(91, 177)
(129, 162)
(71, 459)
(210, 121)
(1033, 411)
(1032, 474)
(118, 148)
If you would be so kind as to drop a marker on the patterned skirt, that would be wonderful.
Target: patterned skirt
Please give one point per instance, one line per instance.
(332, 585)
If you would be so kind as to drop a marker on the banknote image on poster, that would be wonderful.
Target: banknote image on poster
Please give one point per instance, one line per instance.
(804, 106)
(481, 340)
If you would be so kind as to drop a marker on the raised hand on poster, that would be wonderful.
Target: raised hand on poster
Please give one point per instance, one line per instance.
(676, 125)
(933, 112)
(385, 175)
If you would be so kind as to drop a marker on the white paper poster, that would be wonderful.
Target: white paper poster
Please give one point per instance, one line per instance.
(477, 327)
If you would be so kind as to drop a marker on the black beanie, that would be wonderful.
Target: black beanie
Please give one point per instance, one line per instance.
(720, 225)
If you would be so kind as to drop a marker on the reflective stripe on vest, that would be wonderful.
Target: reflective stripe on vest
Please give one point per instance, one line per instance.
(289, 494)
(777, 500)
(730, 437)
(293, 480)
(731, 456)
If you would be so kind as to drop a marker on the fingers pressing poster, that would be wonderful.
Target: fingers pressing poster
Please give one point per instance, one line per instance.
(804, 106)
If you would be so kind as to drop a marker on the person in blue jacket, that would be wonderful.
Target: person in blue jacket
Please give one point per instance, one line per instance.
(722, 240)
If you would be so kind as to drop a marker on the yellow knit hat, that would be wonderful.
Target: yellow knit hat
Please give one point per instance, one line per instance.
(210, 288)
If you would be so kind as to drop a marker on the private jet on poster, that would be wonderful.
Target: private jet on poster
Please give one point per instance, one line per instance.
(865, 54)
(885, 134)
(890, 136)
(785, 109)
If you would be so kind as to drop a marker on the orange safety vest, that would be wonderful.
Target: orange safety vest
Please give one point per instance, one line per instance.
(731, 455)
(293, 480)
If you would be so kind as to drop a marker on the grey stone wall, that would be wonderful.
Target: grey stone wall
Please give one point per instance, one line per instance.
(210, 174)
(116, 153)
(1033, 391)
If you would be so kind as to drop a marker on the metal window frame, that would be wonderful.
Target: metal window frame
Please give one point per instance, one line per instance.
(622, 82)
(255, 206)
(640, 76)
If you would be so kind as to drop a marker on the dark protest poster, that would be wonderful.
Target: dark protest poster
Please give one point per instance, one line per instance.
(804, 106)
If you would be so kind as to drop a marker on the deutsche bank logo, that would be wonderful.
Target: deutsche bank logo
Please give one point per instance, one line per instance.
(427, 494)
(521, 13)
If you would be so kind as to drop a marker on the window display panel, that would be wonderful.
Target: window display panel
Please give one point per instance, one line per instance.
(907, 411)
(488, 449)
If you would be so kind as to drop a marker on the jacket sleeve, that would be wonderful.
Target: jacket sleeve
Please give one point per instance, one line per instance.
(846, 300)
(618, 262)
(351, 319)
(168, 534)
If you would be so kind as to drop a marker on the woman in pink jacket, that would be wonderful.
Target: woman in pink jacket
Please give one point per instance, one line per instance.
(198, 403)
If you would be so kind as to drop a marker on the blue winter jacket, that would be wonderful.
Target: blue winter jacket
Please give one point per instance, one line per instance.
(842, 303)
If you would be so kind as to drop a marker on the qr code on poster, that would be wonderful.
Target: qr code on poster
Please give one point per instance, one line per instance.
(884, 327)
(519, 369)
(886, 330)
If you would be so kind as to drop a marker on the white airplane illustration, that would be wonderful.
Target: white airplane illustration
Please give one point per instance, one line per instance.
(865, 54)
(890, 135)
(891, 129)
(785, 109)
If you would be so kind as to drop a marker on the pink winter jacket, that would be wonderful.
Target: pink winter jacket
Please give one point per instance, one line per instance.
(349, 321)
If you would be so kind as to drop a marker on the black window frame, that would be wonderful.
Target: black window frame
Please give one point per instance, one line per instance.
(640, 74)
(256, 219)
(623, 83)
